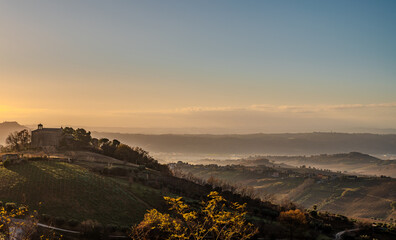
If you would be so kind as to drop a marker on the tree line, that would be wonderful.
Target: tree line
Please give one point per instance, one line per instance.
(80, 139)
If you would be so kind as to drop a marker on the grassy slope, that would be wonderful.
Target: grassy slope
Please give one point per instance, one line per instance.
(73, 192)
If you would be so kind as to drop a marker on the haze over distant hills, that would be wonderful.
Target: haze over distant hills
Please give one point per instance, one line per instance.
(276, 144)
(8, 127)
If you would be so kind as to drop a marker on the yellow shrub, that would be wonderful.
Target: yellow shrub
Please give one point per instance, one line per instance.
(216, 219)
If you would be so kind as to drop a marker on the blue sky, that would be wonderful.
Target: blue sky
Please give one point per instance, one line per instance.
(98, 58)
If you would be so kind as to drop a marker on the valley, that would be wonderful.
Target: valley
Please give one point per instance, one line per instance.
(359, 196)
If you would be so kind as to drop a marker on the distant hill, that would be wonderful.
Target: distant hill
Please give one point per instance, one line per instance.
(353, 162)
(8, 127)
(276, 144)
(363, 197)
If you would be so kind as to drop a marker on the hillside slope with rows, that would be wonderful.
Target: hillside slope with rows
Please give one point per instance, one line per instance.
(61, 189)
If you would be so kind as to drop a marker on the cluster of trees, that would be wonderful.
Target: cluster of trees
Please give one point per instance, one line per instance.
(129, 154)
(78, 139)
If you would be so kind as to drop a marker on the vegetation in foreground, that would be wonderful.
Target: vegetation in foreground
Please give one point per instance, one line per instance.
(215, 219)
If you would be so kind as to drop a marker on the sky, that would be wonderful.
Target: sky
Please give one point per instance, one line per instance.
(205, 66)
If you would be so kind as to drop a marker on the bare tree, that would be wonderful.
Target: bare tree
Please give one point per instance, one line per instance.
(18, 141)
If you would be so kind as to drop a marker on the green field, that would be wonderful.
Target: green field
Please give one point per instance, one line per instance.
(73, 192)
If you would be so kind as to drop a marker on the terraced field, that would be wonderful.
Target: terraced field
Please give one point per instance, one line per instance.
(73, 192)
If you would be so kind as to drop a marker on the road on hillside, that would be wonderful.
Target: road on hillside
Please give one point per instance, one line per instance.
(338, 235)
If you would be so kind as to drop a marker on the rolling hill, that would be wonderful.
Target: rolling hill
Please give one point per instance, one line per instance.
(113, 193)
(272, 144)
(71, 191)
(354, 162)
(362, 197)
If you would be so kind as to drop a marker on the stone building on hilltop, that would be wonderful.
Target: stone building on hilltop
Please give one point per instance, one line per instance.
(46, 137)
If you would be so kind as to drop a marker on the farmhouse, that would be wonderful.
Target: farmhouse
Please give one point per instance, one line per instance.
(46, 137)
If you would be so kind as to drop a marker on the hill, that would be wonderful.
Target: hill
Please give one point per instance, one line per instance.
(274, 144)
(8, 127)
(118, 194)
(71, 191)
(354, 162)
(363, 197)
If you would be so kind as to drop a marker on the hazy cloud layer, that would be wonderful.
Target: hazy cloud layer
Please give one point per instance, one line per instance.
(249, 119)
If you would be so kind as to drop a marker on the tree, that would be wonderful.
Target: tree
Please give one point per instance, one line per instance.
(293, 219)
(216, 219)
(76, 139)
(103, 141)
(116, 143)
(108, 147)
(123, 152)
(68, 130)
(18, 141)
(82, 136)
(95, 143)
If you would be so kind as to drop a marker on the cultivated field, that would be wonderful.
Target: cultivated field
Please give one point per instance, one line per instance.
(73, 192)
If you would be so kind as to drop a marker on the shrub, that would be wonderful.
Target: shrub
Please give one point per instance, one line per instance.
(313, 213)
(293, 219)
(217, 218)
(327, 228)
(125, 229)
(45, 217)
(91, 229)
(73, 223)
(23, 208)
(7, 163)
(6, 219)
(10, 206)
(111, 228)
(59, 221)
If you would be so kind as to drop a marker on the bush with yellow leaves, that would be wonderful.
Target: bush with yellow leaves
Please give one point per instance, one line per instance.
(216, 219)
(19, 223)
(13, 219)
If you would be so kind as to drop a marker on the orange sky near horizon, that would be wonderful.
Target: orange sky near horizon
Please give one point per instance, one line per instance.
(259, 67)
